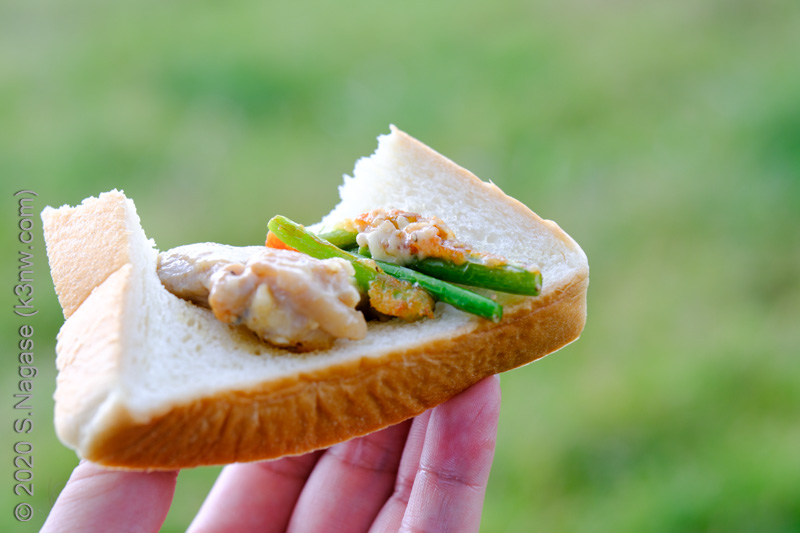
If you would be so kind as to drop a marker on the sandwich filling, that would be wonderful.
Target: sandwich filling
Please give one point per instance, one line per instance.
(302, 290)
(402, 237)
(287, 298)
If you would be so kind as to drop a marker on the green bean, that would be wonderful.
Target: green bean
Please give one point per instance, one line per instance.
(511, 278)
(508, 277)
(340, 238)
(299, 238)
(441, 290)
(296, 236)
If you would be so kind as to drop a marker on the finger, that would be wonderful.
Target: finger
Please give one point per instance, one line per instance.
(255, 496)
(97, 499)
(456, 459)
(350, 483)
(391, 515)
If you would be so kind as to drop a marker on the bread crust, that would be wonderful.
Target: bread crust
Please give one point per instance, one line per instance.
(286, 416)
(317, 409)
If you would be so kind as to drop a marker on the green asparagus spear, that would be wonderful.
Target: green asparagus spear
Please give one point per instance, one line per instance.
(296, 236)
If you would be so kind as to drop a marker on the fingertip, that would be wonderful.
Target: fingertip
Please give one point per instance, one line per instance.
(456, 459)
(101, 499)
(493, 383)
(481, 403)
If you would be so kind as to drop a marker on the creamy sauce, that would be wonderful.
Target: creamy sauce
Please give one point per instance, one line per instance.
(402, 237)
(289, 299)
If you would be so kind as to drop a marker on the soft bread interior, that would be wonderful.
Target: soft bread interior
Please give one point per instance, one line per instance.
(156, 351)
(147, 351)
(406, 174)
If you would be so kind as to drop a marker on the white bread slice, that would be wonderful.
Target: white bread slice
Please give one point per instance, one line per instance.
(147, 380)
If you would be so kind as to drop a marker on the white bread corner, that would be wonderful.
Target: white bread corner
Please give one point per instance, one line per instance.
(149, 381)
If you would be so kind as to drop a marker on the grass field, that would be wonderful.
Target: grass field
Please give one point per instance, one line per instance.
(664, 137)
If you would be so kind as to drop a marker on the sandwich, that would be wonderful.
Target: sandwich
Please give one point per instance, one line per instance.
(192, 356)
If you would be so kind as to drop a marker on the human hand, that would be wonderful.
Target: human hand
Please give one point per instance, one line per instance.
(426, 474)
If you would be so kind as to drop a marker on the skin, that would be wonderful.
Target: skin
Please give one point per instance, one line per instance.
(427, 474)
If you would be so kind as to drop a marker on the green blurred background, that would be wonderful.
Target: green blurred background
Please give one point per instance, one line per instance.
(664, 137)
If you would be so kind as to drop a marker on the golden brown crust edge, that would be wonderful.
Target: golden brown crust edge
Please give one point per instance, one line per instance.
(316, 410)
